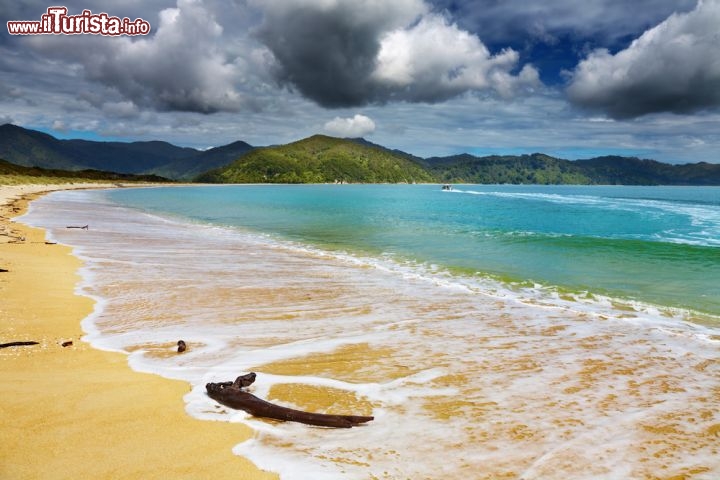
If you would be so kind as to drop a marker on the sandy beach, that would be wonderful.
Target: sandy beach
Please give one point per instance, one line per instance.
(505, 385)
(76, 412)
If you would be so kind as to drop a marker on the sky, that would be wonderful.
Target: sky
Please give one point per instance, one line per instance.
(573, 79)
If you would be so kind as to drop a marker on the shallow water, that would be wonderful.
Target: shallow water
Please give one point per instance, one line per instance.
(650, 244)
(468, 376)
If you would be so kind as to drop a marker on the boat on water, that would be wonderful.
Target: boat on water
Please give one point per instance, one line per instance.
(447, 187)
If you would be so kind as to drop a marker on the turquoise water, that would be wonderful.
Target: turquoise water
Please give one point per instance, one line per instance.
(463, 318)
(657, 245)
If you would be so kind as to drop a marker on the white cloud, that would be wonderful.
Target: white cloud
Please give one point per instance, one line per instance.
(183, 66)
(59, 126)
(673, 67)
(357, 126)
(343, 53)
(436, 60)
(338, 53)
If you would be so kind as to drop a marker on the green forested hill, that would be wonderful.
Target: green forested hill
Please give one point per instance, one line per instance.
(614, 170)
(543, 169)
(536, 168)
(31, 148)
(189, 167)
(320, 159)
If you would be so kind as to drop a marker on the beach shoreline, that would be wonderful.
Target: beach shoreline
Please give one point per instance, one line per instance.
(434, 358)
(70, 410)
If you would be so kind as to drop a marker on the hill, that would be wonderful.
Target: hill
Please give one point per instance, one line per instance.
(326, 159)
(614, 170)
(546, 170)
(192, 166)
(31, 148)
(320, 159)
(397, 152)
(11, 174)
(536, 169)
(135, 157)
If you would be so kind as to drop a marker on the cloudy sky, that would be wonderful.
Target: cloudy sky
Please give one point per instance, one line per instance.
(569, 78)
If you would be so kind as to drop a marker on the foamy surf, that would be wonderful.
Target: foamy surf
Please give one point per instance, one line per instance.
(467, 377)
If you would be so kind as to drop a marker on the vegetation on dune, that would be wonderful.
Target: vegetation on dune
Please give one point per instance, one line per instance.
(11, 174)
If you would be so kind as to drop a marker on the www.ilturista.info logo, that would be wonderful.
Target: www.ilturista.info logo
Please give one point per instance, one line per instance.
(57, 22)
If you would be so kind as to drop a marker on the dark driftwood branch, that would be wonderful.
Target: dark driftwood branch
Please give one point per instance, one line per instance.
(84, 227)
(17, 344)
(231, 394)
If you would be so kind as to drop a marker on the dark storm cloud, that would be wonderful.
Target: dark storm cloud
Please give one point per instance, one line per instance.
(182, 66)
(398, 58)
(342, 54)
(673, 67)
(201, 58)
(11, 93)
(327, 50)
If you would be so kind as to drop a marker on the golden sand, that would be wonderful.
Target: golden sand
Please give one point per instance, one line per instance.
(77, 412)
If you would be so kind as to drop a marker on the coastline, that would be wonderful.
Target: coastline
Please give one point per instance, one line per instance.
(76, 411)
(456, 370)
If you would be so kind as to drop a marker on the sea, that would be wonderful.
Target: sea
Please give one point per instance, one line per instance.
(493, 331)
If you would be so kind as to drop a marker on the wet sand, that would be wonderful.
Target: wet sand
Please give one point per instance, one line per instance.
(504, 389)
(77, 412)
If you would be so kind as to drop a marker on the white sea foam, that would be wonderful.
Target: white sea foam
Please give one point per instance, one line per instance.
(477, 379)
(705, 218)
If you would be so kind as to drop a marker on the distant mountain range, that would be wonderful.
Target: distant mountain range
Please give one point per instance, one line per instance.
(31, 148)
(545, 170)
(188, 168)
(321, 159)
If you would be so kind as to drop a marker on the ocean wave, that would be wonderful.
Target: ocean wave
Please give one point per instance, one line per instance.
(703, 216)
(497, 375)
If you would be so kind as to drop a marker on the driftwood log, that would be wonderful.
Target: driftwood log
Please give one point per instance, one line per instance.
(17, 344)
(231, 394)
